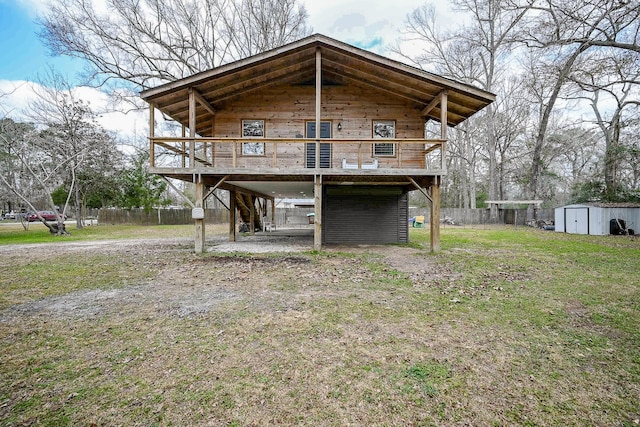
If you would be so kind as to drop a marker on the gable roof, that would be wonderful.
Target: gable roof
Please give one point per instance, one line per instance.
(294, 63)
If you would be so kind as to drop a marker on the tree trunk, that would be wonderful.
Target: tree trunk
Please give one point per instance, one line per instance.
(78, 207)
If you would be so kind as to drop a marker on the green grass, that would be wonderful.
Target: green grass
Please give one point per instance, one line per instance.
(502, 327)
(11, 234)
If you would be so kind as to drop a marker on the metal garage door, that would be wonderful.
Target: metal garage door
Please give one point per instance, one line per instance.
(365, 215)
(576, 220)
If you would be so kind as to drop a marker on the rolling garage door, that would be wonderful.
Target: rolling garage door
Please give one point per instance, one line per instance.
(365, 215)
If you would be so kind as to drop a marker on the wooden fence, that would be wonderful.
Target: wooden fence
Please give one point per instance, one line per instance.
(297, 217)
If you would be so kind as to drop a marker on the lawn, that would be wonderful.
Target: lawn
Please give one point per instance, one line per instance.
(502, 327)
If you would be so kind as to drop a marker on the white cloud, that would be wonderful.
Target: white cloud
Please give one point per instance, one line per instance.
(373, 25)
(33, 7)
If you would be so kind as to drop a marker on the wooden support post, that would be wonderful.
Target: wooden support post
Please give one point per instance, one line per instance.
(232, 216)
(213, 145)
(435, 215)
(252, 216)
(318, 103)
(152, 128)
(317, 233)
(184, 147)
(192, 128)
(273, 213)
(200, 230)
(443, 129)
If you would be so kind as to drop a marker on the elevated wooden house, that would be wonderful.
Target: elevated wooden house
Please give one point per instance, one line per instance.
(250, 127)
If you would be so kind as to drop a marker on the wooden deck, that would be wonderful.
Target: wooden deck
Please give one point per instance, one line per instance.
(285, 158)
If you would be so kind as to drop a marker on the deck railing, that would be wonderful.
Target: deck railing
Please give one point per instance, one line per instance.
(211, 152)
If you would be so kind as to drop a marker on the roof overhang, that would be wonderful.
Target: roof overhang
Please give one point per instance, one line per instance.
(295, 64)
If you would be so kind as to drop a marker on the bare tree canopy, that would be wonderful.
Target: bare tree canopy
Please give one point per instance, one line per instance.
(542, 58)
(147, 42)
(602, 23)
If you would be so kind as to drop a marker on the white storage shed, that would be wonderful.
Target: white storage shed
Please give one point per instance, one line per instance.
(598, 218)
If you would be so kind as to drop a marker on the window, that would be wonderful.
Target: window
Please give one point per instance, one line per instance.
(325, 147)
(253, 129)
(384, 129)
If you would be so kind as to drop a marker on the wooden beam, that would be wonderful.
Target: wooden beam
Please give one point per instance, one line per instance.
(215, 187)
(273, 212)
(443, 129)
(232, 216)
(318, 103)
(199, 223)
(242, 190)
(181, 151)
(252, 216)
(317, 232)
(435, 215)
(422, 190)
(204, 102)
(180, 193)
(221, 201)
(444, 95)
(184, 147)
(192, 127)
(430, 106)
(514, 202)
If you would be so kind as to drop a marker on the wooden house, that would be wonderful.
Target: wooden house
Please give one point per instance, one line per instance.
(250, 127)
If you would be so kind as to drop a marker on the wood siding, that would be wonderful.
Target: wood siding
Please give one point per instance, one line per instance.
(286, 109)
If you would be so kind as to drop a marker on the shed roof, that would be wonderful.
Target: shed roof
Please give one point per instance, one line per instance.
(616, 205)
(294, 64)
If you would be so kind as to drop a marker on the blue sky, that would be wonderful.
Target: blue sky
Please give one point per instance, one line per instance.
(22, 55)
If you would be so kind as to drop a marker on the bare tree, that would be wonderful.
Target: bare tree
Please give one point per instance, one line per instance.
(71, 137)
(610, 80)
(26, 170)
(147, 42)
(476, 53)
(566, 31)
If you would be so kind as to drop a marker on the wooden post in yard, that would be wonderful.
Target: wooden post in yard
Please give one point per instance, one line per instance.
(200, 231)
(232, 216)
(273, 214)
(317, 219)
(435, 215)
(252, 216)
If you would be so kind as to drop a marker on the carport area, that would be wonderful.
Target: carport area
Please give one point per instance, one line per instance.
(279, 240)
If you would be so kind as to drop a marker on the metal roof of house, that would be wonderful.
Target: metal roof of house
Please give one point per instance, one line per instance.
(294, 64)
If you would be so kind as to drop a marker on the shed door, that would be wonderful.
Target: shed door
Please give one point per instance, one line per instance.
(325, 148)
(576, 220)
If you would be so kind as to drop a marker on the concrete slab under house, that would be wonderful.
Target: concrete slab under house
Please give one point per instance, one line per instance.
(319, 118)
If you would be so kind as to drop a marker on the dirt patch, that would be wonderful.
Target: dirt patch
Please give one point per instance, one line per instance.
(191, 286)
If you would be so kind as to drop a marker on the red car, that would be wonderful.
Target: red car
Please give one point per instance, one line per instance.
(46, 215)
